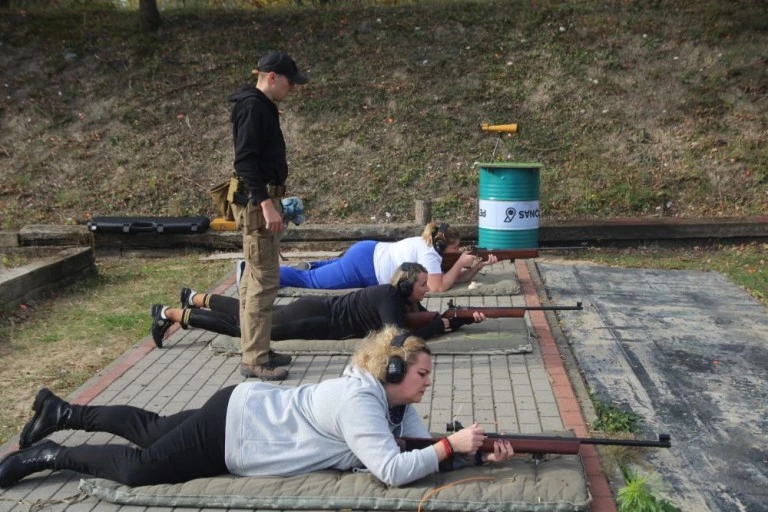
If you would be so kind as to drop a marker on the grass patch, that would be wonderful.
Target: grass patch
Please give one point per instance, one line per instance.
(620, 424)
(61, 342)
(13, 260)
(612, 419)
(641, 494)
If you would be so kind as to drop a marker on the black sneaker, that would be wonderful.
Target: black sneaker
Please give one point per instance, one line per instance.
(159, 325)
(264, 372)
(184, 296)
(276, 359)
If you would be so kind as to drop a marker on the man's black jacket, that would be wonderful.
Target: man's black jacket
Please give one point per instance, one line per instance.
(259, 145)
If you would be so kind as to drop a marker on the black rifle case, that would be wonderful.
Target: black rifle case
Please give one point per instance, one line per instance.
(149, 224)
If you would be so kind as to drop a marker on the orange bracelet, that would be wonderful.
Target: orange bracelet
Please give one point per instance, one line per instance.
(447, 446)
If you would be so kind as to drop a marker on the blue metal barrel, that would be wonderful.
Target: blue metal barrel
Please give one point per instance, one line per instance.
(508, 216)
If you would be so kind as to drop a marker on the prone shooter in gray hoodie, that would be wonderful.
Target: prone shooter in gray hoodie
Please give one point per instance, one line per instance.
(259, 429)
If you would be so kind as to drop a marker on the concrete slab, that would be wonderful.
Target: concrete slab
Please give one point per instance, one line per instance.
(42, 276)
(689, 352)
(9, 239)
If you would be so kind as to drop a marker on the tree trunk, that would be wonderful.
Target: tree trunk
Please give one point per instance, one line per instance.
(149, 16)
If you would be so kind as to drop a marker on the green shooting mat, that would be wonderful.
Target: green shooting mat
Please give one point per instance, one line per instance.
(493, 336)
(556, 483)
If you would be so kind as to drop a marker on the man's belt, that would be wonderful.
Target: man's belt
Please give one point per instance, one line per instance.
(241, 198)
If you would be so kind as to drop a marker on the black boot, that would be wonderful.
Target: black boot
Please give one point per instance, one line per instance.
(51, 415)
(25, 462)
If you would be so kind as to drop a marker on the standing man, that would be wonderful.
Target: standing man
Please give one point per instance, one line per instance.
(261, 168)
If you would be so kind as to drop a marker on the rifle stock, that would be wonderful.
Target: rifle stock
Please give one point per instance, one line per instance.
(450, 259)
(545, 444)
(422, 318)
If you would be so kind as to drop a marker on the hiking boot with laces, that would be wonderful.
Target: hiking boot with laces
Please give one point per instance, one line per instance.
(264, 371)
(277, 359)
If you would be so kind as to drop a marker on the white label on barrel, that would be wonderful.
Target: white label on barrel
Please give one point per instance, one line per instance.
(511, 215)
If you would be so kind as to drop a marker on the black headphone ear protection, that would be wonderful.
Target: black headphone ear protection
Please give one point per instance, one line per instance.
(405, 285)
(396, 364)
(438, 238)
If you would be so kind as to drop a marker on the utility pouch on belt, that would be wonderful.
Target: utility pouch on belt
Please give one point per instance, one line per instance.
(219, 196)
(235, 194)
(234, 186)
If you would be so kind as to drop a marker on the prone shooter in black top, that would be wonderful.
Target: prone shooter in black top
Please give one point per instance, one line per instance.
(352, 315)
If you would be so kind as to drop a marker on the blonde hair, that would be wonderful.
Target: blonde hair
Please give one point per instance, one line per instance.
(430, 230)
(375, 350)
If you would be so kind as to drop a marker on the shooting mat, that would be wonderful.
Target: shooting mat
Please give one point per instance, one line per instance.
(557, 483)
(494, 336)
(494, 280)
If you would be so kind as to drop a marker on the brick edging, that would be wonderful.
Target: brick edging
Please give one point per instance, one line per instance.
(565, 396)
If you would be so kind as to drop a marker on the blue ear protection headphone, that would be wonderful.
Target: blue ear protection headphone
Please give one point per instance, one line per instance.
(438, 238)
(396, 364)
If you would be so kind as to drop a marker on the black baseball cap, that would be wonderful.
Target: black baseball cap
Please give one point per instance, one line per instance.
(282, 64)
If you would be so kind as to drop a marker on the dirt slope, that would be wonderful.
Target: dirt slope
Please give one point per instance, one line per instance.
(634, 108)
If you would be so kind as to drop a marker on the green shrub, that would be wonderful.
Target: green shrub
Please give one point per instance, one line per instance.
(639, 496)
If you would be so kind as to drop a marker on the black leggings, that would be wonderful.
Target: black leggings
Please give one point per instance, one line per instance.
(171, 449)
(306, 318)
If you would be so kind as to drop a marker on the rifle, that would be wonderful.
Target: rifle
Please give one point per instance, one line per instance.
(466, 314)
(450, 258)
(540, 445)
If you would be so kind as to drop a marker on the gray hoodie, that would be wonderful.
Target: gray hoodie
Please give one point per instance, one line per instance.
(339, 423)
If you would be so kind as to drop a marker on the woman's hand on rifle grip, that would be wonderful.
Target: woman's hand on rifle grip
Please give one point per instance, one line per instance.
(490, 261)
(467, 260)
(467, 440)
(502, 450)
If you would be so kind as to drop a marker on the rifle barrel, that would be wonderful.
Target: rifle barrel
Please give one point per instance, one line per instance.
(577, 307)
(449, 259)
(565, 248)
(664, 440)
(579, 247)
(500, 311)
(548, 444)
